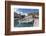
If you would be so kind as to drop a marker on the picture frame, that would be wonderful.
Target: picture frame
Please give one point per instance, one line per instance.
(9, 5)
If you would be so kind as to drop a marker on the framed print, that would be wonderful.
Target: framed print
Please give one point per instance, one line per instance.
(24, 17)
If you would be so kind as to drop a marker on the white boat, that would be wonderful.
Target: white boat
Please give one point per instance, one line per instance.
(26, 19)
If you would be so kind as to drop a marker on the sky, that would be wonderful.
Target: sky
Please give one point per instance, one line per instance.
(25, 11)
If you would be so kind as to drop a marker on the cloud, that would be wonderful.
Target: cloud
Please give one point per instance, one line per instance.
(25, 11)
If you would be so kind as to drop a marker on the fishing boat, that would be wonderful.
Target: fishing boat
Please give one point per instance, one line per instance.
(26, 20)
